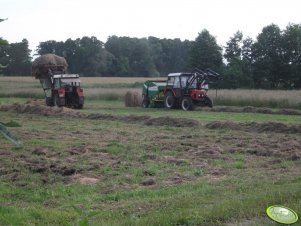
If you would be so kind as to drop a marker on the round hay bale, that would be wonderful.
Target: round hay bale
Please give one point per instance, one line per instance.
(132, 99)
(42, 64)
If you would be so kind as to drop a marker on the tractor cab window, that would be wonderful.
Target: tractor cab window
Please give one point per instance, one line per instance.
(56, 83)
(70, 82)
(177, 82)
(184, 80)
(193, 83)
(171, 81)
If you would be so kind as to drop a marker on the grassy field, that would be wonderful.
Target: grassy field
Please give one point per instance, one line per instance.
(112, 165)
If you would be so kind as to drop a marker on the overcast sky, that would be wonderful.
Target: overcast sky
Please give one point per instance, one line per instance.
(42, 20)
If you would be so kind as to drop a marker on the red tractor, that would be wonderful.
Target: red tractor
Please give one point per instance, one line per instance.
(181, 90)
(187, 90)
(64, 90)
(60, 88)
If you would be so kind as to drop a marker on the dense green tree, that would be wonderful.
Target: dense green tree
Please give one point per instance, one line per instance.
(19, 59)
(233, 50)
(4, 59)
(85, 56)
(269, 71)
(3, 42)
(50, 46)
(273, 60)
(3, 55)
(132, 56)
(292, 55)
(169, 55)
(205, 52)
(236, 73)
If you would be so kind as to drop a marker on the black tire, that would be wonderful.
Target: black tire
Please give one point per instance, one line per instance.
(186, 104)
(145, 102)
(57, 101)
(169, 100)
(49, 101)
(208, 102)
(78, 106)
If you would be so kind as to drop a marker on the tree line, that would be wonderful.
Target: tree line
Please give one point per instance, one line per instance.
(272, 61)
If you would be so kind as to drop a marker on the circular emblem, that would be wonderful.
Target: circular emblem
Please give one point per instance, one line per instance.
(282, 214)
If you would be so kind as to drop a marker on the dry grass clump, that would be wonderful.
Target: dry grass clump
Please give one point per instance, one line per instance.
(257, 98)
(132, 99)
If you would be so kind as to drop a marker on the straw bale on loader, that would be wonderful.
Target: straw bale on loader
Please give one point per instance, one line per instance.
(42, 64)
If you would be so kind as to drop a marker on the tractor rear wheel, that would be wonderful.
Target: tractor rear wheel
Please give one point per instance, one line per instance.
(169, 100)
(49, 101)
(187, 104)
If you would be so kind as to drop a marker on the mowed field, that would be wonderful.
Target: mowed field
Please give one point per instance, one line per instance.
(113, 165)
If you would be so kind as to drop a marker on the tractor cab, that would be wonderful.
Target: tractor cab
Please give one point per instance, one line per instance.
(67, 91)
(66, 81)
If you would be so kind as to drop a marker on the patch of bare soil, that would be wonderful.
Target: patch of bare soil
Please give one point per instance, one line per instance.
(35, 107)
(42, 164)
(168, 121)
(86, 180)
(178, 179)
(273, 145)
(285, 149)
(250, 109)
(148, 182)
(206, 151)
(173, 160)
(256, 127)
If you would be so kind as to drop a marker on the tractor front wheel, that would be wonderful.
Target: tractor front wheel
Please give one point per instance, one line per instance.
(187, 104)
(57, 101)
(145, 102)
(78, 106)
(208, 102)
(169, 100)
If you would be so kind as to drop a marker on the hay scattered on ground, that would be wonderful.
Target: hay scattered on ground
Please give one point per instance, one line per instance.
(251, 109)
(38, 107)
(256, 127)
(132, 99)
(33, 107)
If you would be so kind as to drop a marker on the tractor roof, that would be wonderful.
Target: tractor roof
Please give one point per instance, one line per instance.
(179, 74)
(66, 76)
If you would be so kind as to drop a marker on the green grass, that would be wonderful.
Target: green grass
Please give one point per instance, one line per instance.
(200, 203)
(117, 107)
(195, 175)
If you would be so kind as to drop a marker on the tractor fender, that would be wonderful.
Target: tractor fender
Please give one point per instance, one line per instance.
(169, 90)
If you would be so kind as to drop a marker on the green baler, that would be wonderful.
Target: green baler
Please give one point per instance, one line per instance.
(153, 93)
